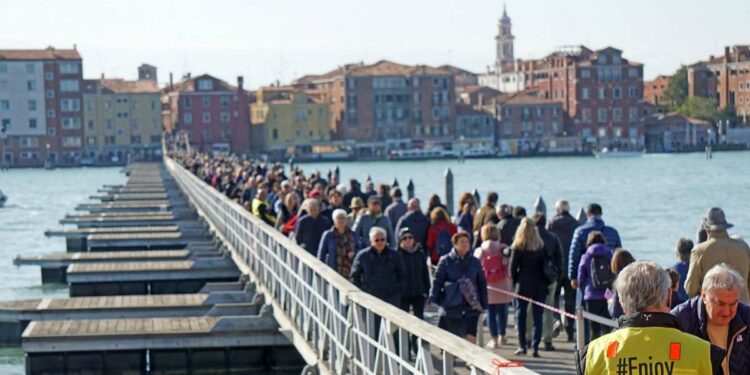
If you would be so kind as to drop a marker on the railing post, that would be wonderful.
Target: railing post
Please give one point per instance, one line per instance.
(449, 191)
(580, 329)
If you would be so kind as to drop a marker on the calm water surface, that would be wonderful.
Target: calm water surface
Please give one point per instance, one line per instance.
(652, 201)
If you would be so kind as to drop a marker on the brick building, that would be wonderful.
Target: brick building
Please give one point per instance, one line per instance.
(672, 132)
(40, 107)
(474, 128)
(122, 118)
(725, 78)
(463, 78)
(211, 112)
(387, 105)
(653, 92)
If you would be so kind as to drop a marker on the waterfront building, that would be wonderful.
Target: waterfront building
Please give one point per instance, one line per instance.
(463, 78)
(474, 128)
(672, 132)
(287, 121)
(385, 105)
(653, 93)
(122, 119)
(478, 96)
(725, 78)
(40, 107)
(212, 113)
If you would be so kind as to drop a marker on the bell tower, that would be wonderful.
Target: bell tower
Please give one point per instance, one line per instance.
(504, 40)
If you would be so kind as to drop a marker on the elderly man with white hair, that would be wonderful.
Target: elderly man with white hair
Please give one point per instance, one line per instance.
(378, 269)
(338, 245)
(717, 315)
(649, 339)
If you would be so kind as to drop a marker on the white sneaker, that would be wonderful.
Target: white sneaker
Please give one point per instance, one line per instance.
(492, 344)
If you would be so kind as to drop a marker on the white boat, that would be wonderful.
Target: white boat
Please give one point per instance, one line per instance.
(419, 154)
(615, 153)
(3, 199)
(477, 152)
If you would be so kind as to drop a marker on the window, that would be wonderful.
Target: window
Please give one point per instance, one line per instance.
(586, 115)
(108, 105)
(153, 105)
(415, 82)
(30, 68)
(28, 142)
(436, 113)
(71, 141)
(135, 139)
(602, 132)
(122, 115)
(51, 113)
(71, 123)
(633, 114)
(5, 105)
(89, 106)
(31, 85)
(206, 117)
(205, 85)
(508, 128)
(350, 82)
(70, 105)
(109, 124)
(633, 72)
(585, 73)
(91, 125)
(616, 114)
(68, 68)
(187, 102)
(206, 101)
(90, 141)
(632, 92)
(602, 115)
(225, 117)
(187, 118)
(616, 93)
(555, 127)
(5, 124)
(526, 127)
(539, 128)
(69, 85)
(585, 93)
(48, 76)
(51, 131)
(134, 125)
(32, 105)
(618, 132)
(602, 93)
(109, 140)
(615, 59)
(601, 59)
(50, 94)
(540, 111)
(224, 101)
(32, 123)
(417, 97)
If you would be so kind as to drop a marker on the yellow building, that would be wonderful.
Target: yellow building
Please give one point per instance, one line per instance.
(289, 121)
(121, 118)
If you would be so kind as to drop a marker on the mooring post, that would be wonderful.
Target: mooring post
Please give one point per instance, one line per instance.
(410, 189)
(449, 190)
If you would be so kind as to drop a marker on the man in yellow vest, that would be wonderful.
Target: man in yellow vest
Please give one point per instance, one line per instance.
(261, 207)
(649, 340)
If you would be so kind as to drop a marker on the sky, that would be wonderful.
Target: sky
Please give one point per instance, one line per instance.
(266, 41)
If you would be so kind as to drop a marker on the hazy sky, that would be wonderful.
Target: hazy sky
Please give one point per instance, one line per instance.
(284, 39)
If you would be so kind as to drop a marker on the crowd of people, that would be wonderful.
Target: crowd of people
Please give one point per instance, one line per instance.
(489, 257)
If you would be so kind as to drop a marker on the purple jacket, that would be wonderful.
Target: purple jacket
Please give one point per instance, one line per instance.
(584, 272)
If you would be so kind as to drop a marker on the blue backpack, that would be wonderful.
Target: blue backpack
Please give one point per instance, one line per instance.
(443, 245)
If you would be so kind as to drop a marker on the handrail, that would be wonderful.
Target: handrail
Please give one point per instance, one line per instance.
(330, 321)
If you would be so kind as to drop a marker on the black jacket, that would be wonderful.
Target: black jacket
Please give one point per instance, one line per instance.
(507, 227)
(309, 231)
(417, 282)
(527, 271)
(652, 320)
(553, 248)
(563, 225)
(417, 223)
(381, 275)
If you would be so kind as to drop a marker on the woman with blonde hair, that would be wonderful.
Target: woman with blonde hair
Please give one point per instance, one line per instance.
(527, 272)
(496, 266)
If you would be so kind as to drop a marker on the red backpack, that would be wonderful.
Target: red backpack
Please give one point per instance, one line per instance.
(492, 264)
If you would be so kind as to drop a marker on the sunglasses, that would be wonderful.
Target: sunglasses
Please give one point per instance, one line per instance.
(404, 238)
(379, 240)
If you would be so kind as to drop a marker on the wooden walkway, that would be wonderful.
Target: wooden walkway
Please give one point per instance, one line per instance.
(107, 302)
(125, 267)
(121, 327)
(110, 230)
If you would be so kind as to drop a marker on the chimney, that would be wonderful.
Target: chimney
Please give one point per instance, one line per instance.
(481, 100)
(75, 47)
(102, 75)
(171, 82)
(240, 81)
(726, 54)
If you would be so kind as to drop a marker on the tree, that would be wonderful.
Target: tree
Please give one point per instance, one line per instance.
(701, 108)
(676, 93)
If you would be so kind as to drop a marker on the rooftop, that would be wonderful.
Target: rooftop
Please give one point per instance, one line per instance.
(121, 86)
(49, 53)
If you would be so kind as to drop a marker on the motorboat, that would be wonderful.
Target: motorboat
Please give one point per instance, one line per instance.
(615, 153)
(420, 154)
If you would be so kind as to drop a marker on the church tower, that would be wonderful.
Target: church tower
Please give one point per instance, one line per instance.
(504, 40)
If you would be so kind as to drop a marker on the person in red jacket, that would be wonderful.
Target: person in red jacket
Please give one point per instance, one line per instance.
(440, 233)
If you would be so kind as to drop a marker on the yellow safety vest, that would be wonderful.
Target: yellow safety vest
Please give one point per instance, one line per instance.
(648, 351)
(256, 209)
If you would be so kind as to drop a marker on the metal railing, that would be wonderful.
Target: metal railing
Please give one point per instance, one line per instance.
(335, 326)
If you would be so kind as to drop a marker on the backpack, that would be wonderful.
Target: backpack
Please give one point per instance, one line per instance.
(443, 245)
(551, 267)
(601, 275)
(493, 267)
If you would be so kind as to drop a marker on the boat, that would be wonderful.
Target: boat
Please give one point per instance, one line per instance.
(420, 154)
(3, 199)
(615, 153)
(477, 153)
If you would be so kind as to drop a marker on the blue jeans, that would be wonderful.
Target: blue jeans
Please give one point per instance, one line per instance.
(497, 315)
(537, 314)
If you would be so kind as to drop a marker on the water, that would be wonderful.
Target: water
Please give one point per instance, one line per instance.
(37, 200)
(652, 201)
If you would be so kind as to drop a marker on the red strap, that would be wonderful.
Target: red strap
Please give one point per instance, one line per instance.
(612, 349)
(675, 351)
(500, 365)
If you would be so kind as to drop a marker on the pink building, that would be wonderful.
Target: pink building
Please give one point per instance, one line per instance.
(213, 113)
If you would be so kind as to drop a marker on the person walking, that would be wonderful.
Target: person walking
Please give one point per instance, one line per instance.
(378, 270)
(594, 278)
(527, 270)
(563, 224)
(354, 192)
(310, 227)
(373, 218)
(417, 279)
(495, 259)
(553, 252)
(508, 224)
(621, 258)
(287, 211)
(338, 245)
(719, 248)
(417, 222)
(683, 248)
(717, 316)
(397, 209)
(465, 219)
(487, 212)
(356, 209)
(439, 234)
(460, 288)
(262, 208)
(649, 340)
(581, 234)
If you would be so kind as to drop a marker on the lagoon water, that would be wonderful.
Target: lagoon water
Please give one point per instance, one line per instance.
(652, 201)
